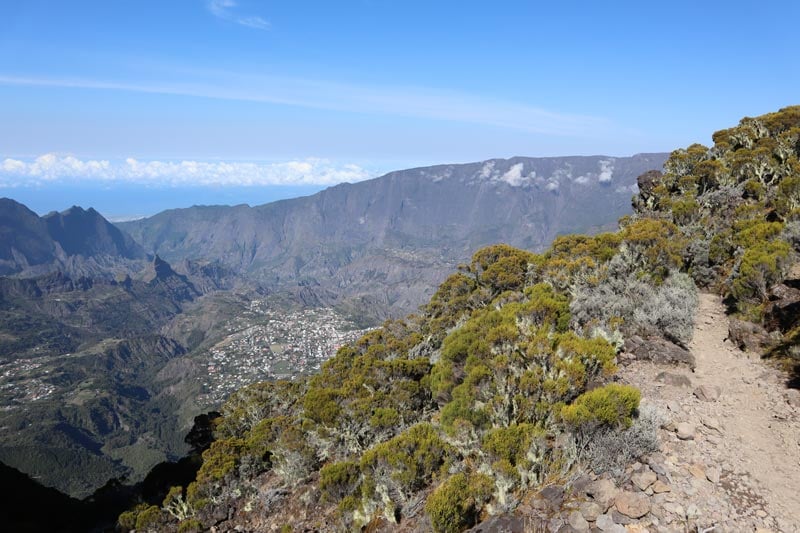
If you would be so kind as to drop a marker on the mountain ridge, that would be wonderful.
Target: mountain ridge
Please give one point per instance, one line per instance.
(343, 236)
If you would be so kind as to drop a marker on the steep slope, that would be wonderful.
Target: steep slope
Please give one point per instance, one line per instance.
(498, 400)
(393, 238)
(84, 390)
(76, 241)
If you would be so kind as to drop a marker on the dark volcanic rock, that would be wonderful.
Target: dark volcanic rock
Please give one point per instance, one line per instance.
(748, 336)
(783, 311)
(648, 181)
(659, 350)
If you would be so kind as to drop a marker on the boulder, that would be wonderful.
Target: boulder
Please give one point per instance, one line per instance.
(748, 336)
(554, 495)
(707, 393)
(644, 479)
(659, 350)
(783, 311)
(648, 181)
(675, 380)
(590, 511)
(632, 504)
(605, 523)
(603, 492)
(577, 521)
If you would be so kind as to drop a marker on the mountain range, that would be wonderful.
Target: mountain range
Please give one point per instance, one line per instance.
(385, 243)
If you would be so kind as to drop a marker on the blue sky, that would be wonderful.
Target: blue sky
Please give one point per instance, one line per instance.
(189, 101)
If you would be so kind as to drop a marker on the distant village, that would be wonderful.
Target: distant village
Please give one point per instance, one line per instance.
(267, 344)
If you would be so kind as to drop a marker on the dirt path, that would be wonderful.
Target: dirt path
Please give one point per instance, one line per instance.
(761, 434)
(740, 468)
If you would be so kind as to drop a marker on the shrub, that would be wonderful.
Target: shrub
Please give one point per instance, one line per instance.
(638, 307)
(220, 459)
(338, 480)
(407, 462)
(610, 405)
(612, 449)
(149, 519)
(456, 503)
(191, 525)
(761, 267)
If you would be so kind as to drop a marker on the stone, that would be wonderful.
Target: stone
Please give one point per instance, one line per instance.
(603, 492)
(647, 182)
(707, 393)
(711, 423)
(676, 509)
(697, 471)
(656, 463)
(637, 528)
(644, 479)
(712, 474)
(590, 511)
(685, 431)
(620, 518)
(761, 513)
(632, 504)
(748, 336)
(674, 380)
(606, 523)
(659, 487)
(783, 311)
(659, 350)
(577, 521)
(555, 524)
(580, 483)
(554, 495)
(793, 397)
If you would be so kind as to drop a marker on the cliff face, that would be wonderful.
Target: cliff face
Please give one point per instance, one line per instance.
(393, 238)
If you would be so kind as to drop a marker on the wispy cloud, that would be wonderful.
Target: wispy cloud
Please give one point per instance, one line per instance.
(417, 102)
(224, 9)
(53, 168)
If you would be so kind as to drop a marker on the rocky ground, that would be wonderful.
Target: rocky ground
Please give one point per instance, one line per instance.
(729, 458)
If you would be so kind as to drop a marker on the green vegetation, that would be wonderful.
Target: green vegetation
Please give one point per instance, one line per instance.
(516, 351)
(455, 504)
(610, 405)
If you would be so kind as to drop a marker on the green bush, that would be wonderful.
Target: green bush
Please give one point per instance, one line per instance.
(456, 504)
(611, 405)
(338, 480)
(409, 461)
(148, 519)
(761, 267)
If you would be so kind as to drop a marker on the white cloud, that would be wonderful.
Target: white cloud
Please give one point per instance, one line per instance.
(514, 176)
(606, 170)
(582, 180)
(224, 9)
(551, 185)
(50, 168)
(486, 170)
